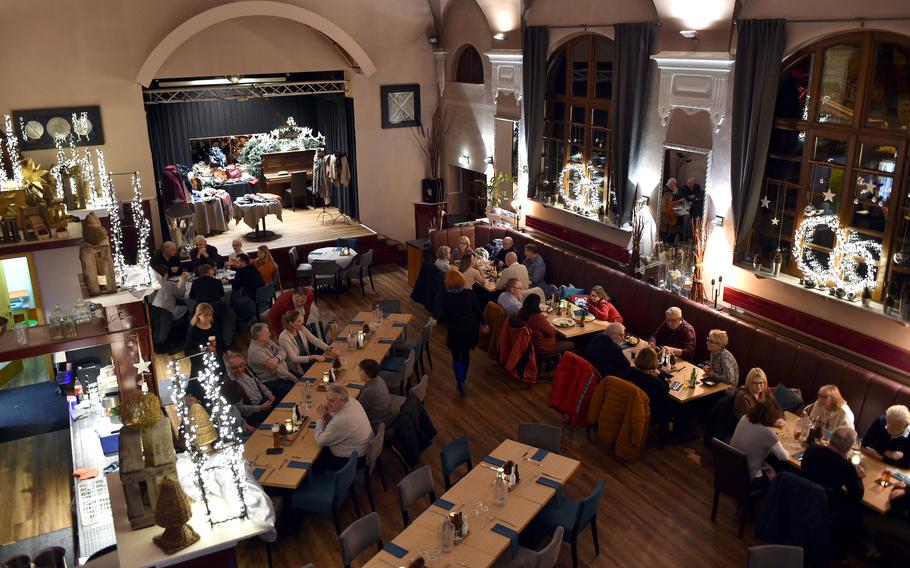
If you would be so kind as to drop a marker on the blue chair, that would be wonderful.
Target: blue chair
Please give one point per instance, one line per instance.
(325, 493)
(421, 345)
(573, 516)
(265, 297)
(349, 242)
(453, 456)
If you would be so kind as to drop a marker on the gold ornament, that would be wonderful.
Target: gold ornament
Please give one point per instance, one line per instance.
(172, 512)
(206, 435)
(140, 409)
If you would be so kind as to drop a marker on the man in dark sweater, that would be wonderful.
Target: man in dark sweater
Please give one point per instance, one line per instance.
(205, 253)
(507, 246)
(243, 296)
(168, 257)
(676, 334)
(888, 439)
(605, 353)
(206, 288)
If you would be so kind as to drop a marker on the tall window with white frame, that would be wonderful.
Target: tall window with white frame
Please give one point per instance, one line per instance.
(575, 172)
(836, 193)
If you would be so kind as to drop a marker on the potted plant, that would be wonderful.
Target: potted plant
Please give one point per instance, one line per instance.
(430, 142)
(495, 193)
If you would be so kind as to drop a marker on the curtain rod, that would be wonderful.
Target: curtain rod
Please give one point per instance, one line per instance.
(841, 20)
(586, 26)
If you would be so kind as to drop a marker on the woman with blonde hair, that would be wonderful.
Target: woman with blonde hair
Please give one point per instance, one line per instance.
(461, 250)
(296, 340)
(754, 391)
(830, 410)
(202, 329)
(266, 265)
(722, 366)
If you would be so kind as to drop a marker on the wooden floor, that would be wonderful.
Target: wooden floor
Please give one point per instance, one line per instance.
(35, 480)
(655, 511)
(299, 227)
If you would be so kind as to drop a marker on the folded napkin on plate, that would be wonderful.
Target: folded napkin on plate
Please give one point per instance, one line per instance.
(395, 550)
(549, 482)
(444, 504)
(493, 461)
(540, 454)
(507, 532)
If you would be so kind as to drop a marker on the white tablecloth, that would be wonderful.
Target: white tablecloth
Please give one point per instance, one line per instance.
(332, 253)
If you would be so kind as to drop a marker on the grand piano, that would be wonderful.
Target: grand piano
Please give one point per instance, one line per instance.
(277, 168)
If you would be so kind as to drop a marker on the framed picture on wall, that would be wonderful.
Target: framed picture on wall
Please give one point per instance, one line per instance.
(400, 105)
(39, 129)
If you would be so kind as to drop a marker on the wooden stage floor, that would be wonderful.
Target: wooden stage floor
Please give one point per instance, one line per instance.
(300, 227)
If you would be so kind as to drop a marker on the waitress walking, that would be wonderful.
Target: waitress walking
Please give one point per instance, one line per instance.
(459, 311)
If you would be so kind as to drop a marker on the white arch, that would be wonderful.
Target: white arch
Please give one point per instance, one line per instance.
(234, 10)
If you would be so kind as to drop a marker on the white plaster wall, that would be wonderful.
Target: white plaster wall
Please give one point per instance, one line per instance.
(57, 274)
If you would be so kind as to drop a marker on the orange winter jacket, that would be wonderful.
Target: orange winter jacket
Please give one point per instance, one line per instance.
(622, 413)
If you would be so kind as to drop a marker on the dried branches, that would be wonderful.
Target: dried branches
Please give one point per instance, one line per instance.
(701, 231)
(431, 141)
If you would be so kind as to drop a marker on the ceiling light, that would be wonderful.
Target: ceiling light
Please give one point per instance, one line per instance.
(500, 36)
(689, 34)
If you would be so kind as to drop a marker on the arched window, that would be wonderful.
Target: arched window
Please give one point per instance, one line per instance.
(470, 67)
(838, 154)
(578, 119)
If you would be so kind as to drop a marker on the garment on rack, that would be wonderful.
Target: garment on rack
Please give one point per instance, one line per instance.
(318, 172)
(339, 172)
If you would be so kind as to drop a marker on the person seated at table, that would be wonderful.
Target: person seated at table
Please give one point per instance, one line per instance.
(513, 269)
(256, 400)
(236, 249)
(829, 465)
(537, 268)
(755, 436)
(170, 296)
(301, 299)
(202, 328)
(676, 334)
(269, 361)
(205, 253)
(510, 299)
(374, 397)
(645, 374)
(246, 281)
(830, 410)
(343, 427)
(167, 256)
(266, 265)
(507, 246)
(469, 268)
(543, 334)
(888, 439)
(206, 288)
(670, 226)
(605, 351)
(295, 340)
(895, 525)
(755, 391)
(600, 307)
(462, 249)
(722, 365)
(442, 258)
(233, 394)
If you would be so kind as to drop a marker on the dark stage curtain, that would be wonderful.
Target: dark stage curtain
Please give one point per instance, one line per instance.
(534, 78)
(759, 49)
(631, 84)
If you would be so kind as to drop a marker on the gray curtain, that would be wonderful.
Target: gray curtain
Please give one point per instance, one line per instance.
(759, 49)
(631, 84)
(535, 41)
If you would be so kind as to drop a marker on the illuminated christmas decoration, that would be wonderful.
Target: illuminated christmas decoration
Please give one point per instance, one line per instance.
(843, 268)
(12, 149)
(580, 187)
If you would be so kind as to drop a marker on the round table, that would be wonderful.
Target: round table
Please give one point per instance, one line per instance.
(252, 212)
(332, 253)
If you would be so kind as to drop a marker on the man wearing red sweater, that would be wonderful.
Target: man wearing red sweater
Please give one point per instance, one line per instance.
(300, 299)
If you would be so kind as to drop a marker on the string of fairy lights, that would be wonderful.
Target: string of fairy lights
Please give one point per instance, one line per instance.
(842, 268)
(580, 187)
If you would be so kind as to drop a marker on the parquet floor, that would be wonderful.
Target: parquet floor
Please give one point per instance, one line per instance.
(655, 511)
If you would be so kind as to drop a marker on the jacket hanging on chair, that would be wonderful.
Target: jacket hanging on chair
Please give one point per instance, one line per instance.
(516, 352)
(573, 387)
(622, 413)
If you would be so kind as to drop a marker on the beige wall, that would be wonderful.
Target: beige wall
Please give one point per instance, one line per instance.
(90, 53)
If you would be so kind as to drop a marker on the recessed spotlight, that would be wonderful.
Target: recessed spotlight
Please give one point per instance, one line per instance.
(689, 34)
(500, 36)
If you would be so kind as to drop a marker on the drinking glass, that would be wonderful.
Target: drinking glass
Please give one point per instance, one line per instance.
(886, 478)
(796, 435)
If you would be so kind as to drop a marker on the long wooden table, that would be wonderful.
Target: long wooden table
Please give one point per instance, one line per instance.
(593, 326)
(288, 469)
(681, 373)
(875, 496)
(482, 546)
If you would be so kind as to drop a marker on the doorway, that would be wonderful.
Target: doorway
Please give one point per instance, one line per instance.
(473, 186)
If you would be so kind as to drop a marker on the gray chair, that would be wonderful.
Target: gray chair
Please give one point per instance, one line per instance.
(20, 561)
(373, 463)
(265, 297)
(540, 436)
(398, 379)
(325, 274)
(732, 477)
(297, 189)
(302, 270)
(415, 485)
(419, 390)
(543, 558)
(421, 344)
(359, 536)
(774, 556)
(360, 267)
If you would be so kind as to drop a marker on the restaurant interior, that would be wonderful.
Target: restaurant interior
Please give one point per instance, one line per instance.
(438, 283)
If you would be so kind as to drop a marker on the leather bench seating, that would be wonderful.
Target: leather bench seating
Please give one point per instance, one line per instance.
(642, 306)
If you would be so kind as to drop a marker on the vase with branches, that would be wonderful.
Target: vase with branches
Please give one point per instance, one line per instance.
(430, 142)
(701, 231)
(638, 231)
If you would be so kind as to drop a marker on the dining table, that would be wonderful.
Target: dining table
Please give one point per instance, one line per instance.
(299, 450)
(680, 375)
(492, 529)
(875, 494)
(569, 325)
(339, 255)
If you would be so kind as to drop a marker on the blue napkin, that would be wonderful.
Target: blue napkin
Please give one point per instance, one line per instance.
(395, 550)
(399, 324)
(313, 424)
(265, 426)
(257, 473)
(357, 321)
(357, 386)
(540, 454)
(300, 464)
(443, 503)
(549, 482)
(387, 341)
(308, 379)
(506, 531)
(494, 461)
(285, 405)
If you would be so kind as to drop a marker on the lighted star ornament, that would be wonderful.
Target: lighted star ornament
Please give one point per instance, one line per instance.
(765, 202)
(829, 195)
(142, 367)
(775, 221)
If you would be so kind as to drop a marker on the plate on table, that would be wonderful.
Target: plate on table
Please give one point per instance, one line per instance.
(589, 317)
(546, 308)
(632, 340)
(563, 322)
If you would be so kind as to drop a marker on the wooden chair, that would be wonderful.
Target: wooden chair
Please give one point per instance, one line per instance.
(574, 517)
(540, 436)
(359, 536)
(453, 456)
(325, 493)
(732, 478)
(414, 486)
(774, 556)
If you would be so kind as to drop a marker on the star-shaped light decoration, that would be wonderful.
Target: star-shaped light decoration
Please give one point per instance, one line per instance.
(775, 221)
(142, 367)
(765, 202)
(829, 196)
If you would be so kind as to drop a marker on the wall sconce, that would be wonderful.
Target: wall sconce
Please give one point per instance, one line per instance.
(645, 200)
(464, 160)
(499, 36)
(489, 160)
(718, 221)
(689, 34)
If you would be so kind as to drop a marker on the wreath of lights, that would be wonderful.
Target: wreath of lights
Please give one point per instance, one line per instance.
(583, 192)
(842, 268)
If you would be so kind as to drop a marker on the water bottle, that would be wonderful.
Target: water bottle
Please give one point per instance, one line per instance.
(448, 535)
(500, 489)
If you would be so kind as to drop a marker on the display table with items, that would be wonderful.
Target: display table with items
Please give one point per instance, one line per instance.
(254, 208)
(213, 211)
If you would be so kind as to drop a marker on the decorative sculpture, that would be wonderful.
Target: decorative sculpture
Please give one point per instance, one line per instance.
(172, 512)
(96, 257)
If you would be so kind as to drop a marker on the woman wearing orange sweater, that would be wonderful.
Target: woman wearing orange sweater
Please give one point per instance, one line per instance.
(266, 265)
(543, 334)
